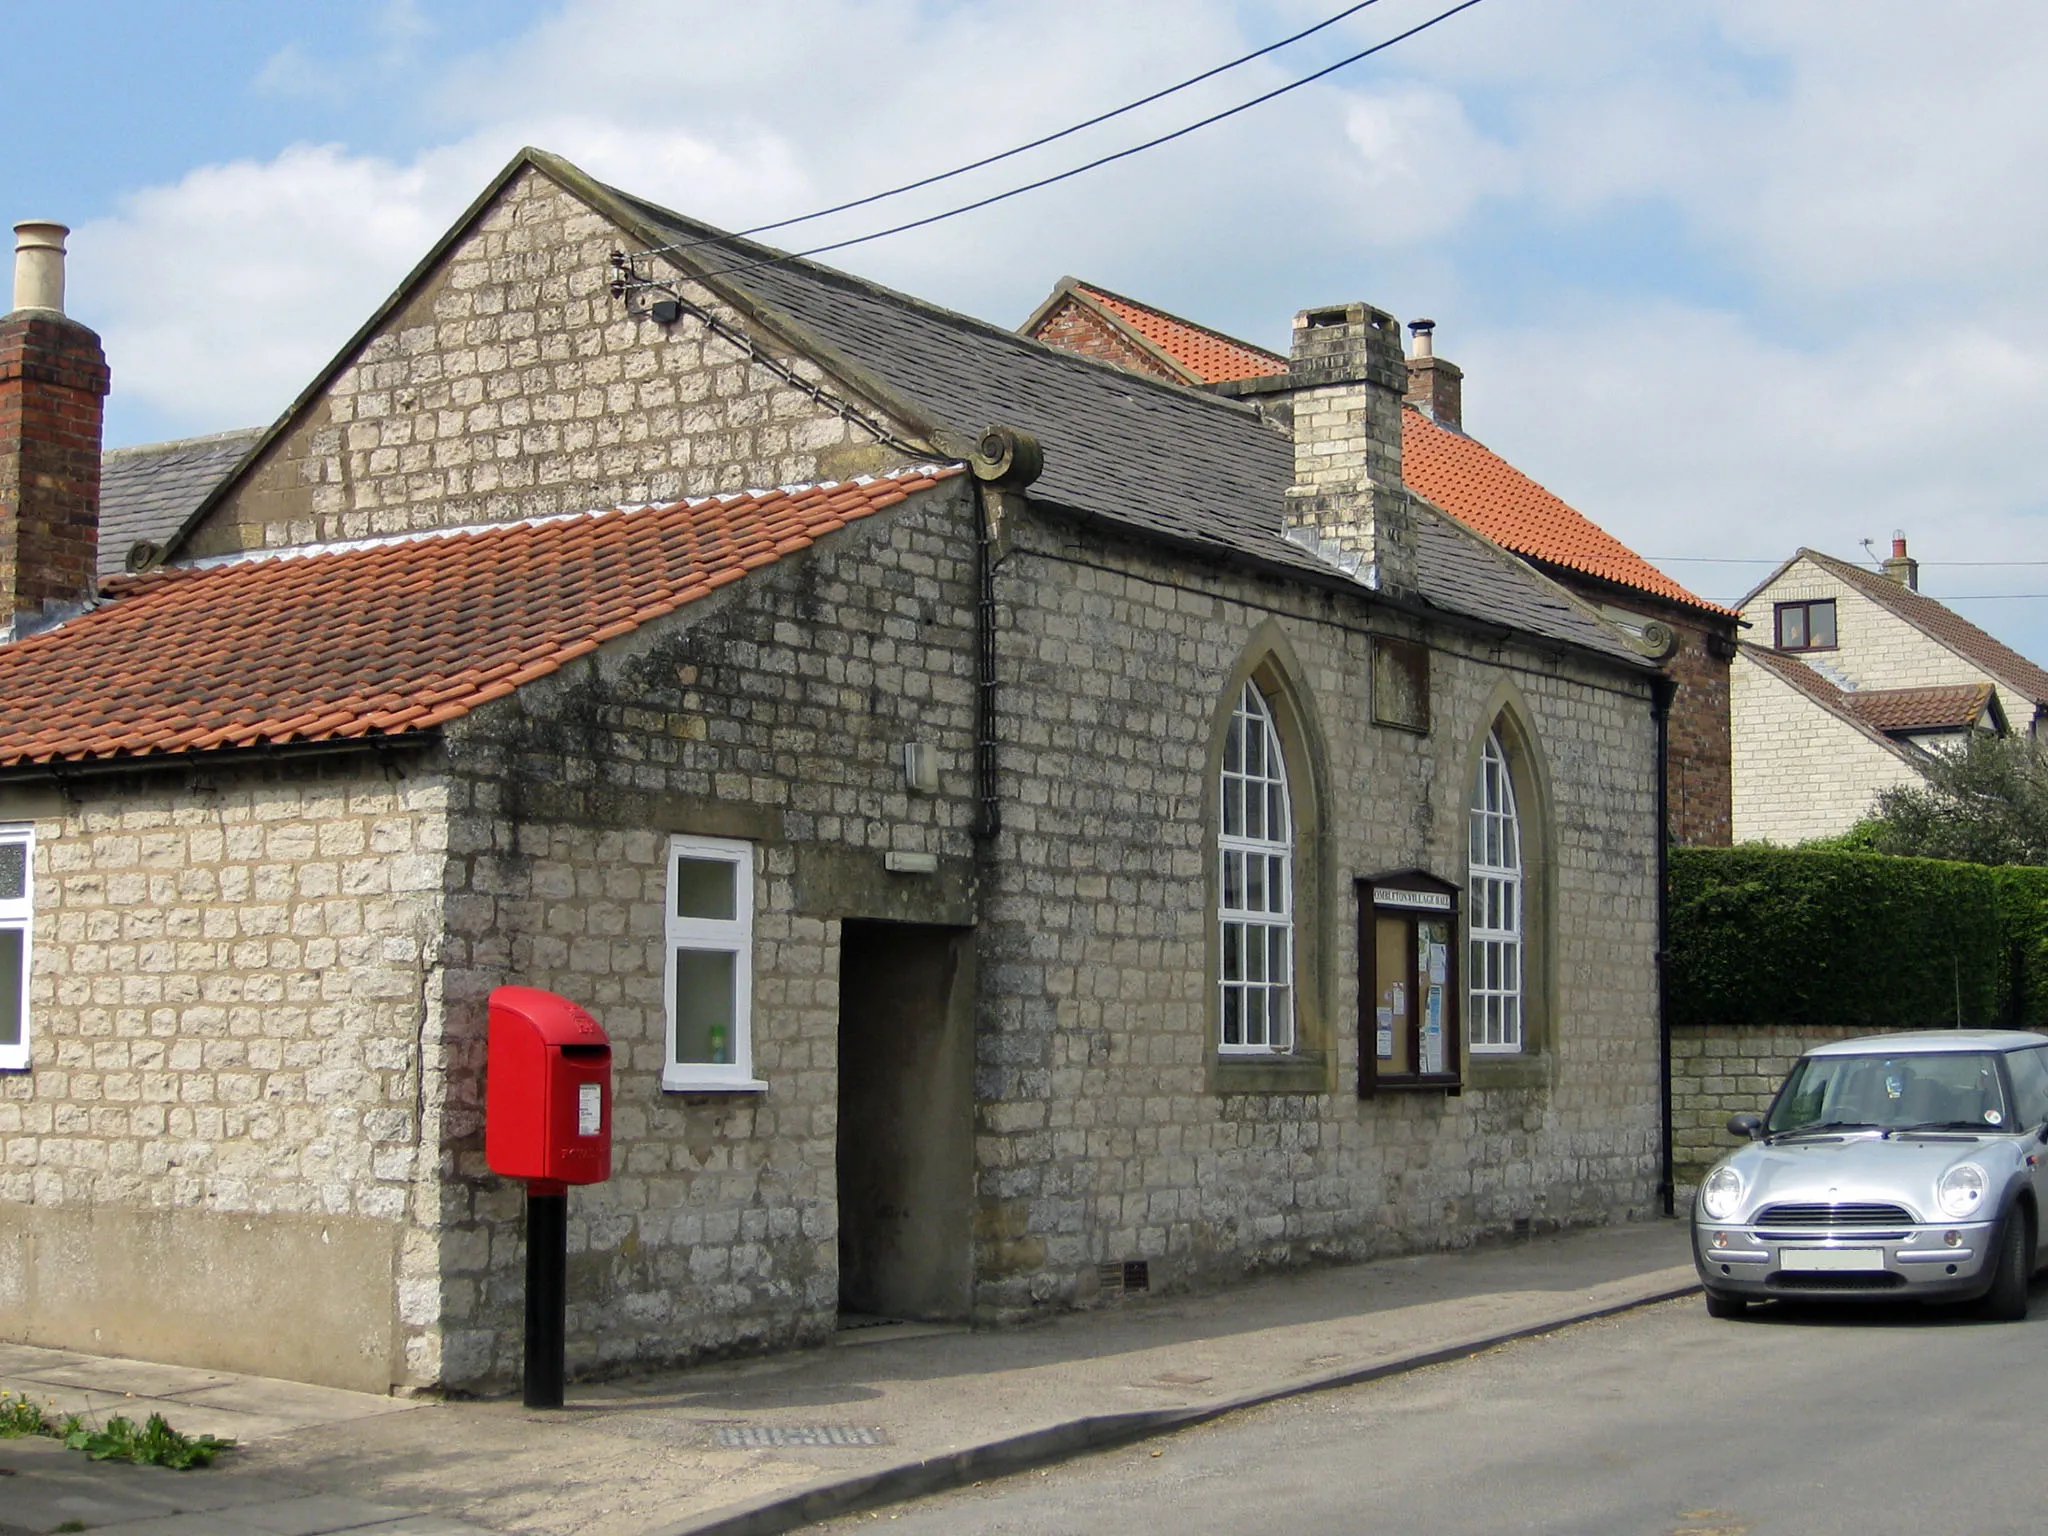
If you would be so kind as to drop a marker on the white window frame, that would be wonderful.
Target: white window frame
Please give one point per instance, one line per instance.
(734, 936)
(1496, 912)
(1261, 921)
(18, 915)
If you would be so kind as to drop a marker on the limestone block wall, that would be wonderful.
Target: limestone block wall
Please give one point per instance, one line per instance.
(774, 712)
(1105, 1132)
(1721, 1070)
(511, 384)
(215, 1156)
(1800, 771)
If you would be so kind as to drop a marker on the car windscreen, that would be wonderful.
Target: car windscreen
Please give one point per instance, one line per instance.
(1947, 1091)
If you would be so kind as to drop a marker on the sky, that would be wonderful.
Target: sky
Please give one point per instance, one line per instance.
(1730, 276)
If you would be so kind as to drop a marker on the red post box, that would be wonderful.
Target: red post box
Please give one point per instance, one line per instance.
(547, 1090)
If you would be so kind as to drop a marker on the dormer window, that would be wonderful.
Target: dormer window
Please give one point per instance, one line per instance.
(1808, 626)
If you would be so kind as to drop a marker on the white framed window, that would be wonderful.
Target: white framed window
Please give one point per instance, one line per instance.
(1255, 886)
(1494, 908)
(708, 979)
(17, 856)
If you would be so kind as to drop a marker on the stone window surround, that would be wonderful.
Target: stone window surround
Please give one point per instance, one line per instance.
(1805, 608)
(1495, 883)
(1506, 716)
(17, 917)
(1257, 919)
(734, 936)
(1268, 662)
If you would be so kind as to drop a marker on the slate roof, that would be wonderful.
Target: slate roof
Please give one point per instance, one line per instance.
(147, 492)
(1830, 698)
(1150, 456)
(390, 636)
(1932, 619)
(1460, 474)
(1955, 707)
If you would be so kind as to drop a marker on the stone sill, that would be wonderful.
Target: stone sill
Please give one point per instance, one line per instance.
(1302, 1072)
(713, 1085)
(1527, 1069)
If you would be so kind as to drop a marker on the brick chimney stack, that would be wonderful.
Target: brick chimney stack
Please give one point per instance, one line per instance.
(53, 378)
(1902, 568)
(1435, 388)
(1344, 384)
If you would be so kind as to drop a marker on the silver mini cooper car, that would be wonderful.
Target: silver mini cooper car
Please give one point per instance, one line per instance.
(1910, 1166)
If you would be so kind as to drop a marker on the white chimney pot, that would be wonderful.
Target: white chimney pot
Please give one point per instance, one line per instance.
(39, 264)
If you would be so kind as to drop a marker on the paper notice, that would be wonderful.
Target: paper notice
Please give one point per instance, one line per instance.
(589, 1109)
(1386, 1031)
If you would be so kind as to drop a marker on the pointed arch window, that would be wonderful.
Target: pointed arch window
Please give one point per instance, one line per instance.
(1255, 885)
(1496, 909)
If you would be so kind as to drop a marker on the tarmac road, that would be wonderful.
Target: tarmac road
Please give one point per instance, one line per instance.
(1660, 1422)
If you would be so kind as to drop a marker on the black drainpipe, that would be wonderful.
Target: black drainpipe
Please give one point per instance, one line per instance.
(988, 819)
(1662, 690)
(1004, 460)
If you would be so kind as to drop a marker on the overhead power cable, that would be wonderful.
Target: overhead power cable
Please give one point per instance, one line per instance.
(1096, 164)
(1038, 143)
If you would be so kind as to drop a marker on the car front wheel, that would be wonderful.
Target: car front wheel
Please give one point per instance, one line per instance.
(1726, 1306)
(2006, 1301)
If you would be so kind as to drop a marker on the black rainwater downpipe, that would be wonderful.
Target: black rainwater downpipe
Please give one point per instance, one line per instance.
(988, 819)
(1662, 691)
(1004, 460)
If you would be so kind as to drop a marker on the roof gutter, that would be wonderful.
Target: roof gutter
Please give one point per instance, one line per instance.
(63, 772)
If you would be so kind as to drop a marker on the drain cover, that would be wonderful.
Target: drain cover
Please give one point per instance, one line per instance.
(758, 1437)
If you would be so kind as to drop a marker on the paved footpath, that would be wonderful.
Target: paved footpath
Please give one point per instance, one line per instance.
(763, 1446)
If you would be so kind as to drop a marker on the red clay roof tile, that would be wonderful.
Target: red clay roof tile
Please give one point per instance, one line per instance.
(1484, 491)
(1457, 473)
(388, 637)
(1951, 707)
(1211, 356)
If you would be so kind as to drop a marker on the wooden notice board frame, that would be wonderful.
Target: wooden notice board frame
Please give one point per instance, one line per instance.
(1392, 909)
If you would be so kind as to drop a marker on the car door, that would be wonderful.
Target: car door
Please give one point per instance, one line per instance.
(2029, 1069)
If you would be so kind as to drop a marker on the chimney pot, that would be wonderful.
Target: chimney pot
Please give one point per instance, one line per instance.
(39, 264)
(1425, 343)
(1902, 568)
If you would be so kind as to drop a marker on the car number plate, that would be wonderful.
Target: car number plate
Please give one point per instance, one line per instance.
(1831, 1258)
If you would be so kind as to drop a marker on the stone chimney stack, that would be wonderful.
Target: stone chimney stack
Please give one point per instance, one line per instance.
(53, 379)
(1902, 568)
(1435, 388)
(1344, 384)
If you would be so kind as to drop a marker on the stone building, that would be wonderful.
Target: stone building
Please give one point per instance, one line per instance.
(1029, 831)
(1864, 675)
(1693, 639)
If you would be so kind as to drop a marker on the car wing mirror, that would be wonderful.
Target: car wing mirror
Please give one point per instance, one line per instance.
(1750, 1126)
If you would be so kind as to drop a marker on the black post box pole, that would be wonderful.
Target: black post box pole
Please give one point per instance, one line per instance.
(547, 1264)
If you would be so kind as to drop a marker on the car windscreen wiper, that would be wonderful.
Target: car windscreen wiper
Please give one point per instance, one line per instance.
(1822, 1128)
(1978, 1126)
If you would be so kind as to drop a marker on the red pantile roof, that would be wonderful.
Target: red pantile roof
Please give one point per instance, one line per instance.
(1951, 707)
(1465, 478)
(1484, 491)
(1941, 623)
(387, 637)
(1210, 356)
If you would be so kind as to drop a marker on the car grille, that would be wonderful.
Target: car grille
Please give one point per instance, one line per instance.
(1870, 1214)
(1836, 1280)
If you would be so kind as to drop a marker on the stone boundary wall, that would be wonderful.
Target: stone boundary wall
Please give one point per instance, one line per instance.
(1718, 1070)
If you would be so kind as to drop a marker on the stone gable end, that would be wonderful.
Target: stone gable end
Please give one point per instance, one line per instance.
(1876, 648)
(510, 384)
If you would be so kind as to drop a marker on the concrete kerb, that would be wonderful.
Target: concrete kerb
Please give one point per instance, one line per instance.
(831, 1498)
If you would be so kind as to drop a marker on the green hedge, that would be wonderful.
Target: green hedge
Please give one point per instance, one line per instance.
(1801, 937)
(2023, 916)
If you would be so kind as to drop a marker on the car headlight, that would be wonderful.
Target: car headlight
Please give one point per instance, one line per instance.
(1961, 1191)
(1721, 1193)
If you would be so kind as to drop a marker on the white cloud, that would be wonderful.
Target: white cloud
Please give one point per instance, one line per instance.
(1742, 273)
